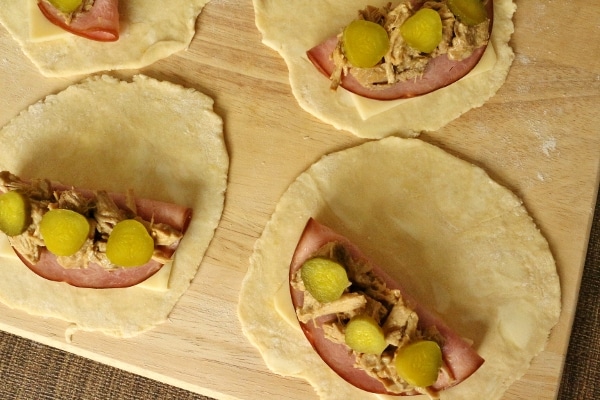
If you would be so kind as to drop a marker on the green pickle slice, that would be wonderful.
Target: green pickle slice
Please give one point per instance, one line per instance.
(469, 12)
(66, 6)
(365, 43)
(64, 231)
(129, 244)
(324, 279)
(423, 30)
(419, 363)
(364, 335)
(15, 213)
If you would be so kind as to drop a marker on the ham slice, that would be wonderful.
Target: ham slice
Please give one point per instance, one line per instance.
(95, 276)
(101, 22)
(460, 358)
(439, 72)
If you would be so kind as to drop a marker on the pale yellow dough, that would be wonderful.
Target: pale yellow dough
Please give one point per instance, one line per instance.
(460, 243)
(292, 28)
(150, 30)
(157, 138)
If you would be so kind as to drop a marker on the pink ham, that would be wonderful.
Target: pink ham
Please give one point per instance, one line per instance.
(440, 71)
(94, 276)
(100, 23)
(460, 358)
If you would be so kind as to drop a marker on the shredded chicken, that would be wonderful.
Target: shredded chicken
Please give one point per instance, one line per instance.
(71, 200)
(348, 305)
(402, 62)
(36, 189)
(85, 5)
(367, 295)
(401, 325)
(102, 214)
(107, 214)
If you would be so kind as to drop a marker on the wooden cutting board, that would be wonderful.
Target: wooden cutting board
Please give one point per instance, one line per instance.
(539, 136)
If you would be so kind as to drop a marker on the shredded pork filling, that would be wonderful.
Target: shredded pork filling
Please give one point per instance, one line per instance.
(368, 295)
(101, 212)
(402, 62)
(85, 5)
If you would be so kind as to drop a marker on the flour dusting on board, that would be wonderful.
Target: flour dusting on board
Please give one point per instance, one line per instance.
(548, 146)
(529, 142)
(543, 129)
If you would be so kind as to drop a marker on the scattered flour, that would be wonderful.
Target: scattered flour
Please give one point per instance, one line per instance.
(524, 59)
(543, 130)
(542, 177)
(548, 146)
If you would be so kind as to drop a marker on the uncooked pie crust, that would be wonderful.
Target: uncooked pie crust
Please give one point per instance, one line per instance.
(157, 138)
(150, 31)
(292, 28)
(463, 245)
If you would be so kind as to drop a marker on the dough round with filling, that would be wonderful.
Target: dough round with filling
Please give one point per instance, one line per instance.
(460, 243)
(293, 28)
(159, 139)
(150, 31)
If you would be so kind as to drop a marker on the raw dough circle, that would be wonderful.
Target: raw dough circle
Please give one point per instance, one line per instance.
(463, 245)
(150, 31)
(293, 28)
(157, 138)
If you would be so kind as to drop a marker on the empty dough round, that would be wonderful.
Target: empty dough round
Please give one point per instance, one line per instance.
(461, 244)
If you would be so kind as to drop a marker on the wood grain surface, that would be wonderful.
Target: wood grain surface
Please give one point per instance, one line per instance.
(538, 136)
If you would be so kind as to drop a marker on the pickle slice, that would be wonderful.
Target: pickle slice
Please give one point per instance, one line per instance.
(129, 244)
(364, 335)
(66, 6)
(419, 363)
(15, 213)
(423, 30)
(324, 279)
(365, 43)
(469, 12)
(64, 231)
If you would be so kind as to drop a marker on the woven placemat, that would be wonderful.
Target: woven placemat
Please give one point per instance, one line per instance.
(31, 371)
(581, 375)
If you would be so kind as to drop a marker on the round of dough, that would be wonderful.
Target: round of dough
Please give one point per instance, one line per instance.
(461, 244)
(150, 31)
(159, 139)
(292, 28)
